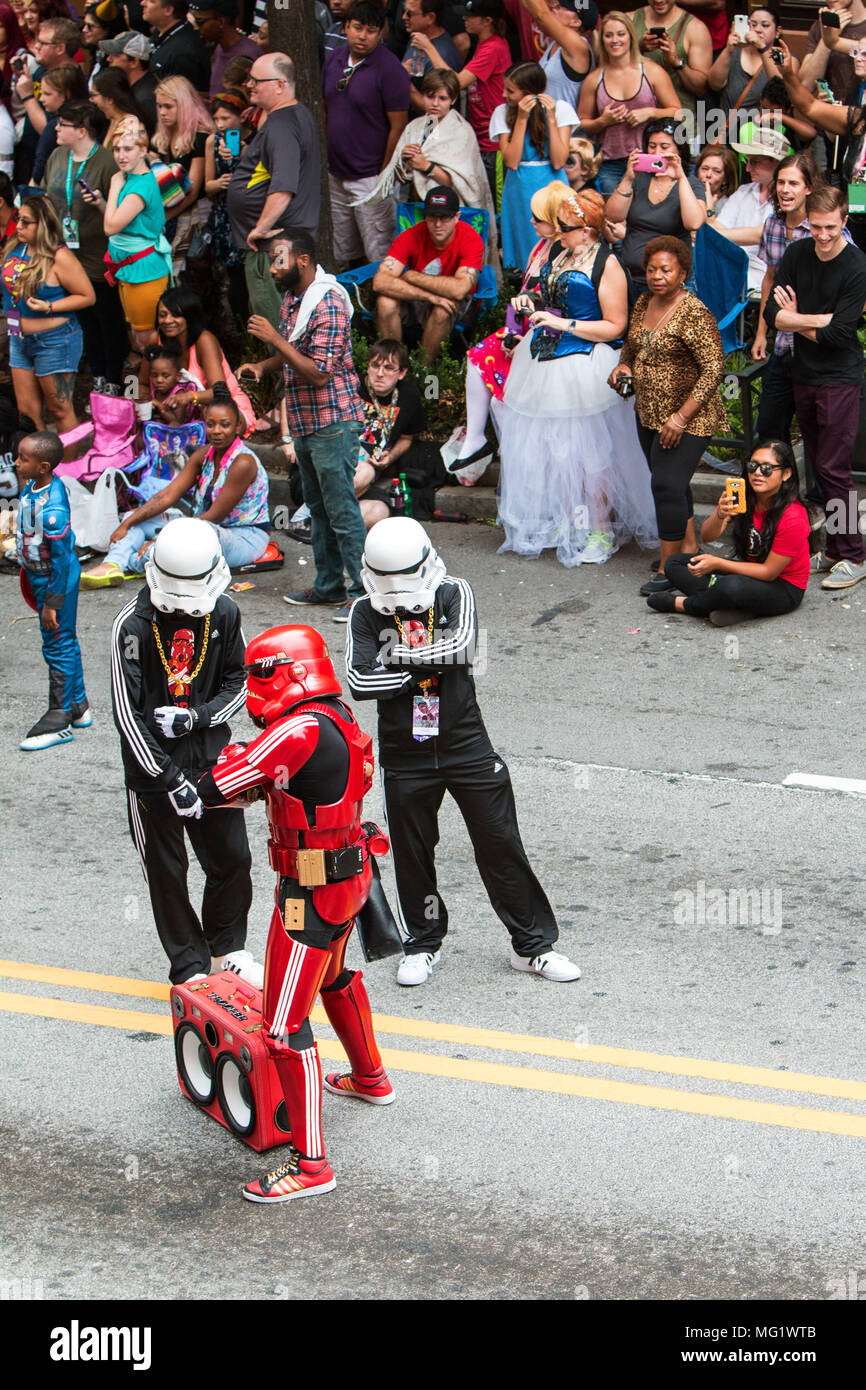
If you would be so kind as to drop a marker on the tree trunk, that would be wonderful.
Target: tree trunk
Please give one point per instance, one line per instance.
(292, 29)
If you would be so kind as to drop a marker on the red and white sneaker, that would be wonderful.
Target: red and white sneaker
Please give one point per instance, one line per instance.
(379, 1092)
(295, 1177)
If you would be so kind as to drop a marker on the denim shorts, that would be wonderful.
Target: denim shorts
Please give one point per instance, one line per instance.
(48, 353)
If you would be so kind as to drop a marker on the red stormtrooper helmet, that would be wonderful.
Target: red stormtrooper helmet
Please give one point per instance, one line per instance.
(284, 666)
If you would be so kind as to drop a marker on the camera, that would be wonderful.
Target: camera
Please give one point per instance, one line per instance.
(625, 387)
(829, 19)
(777, 55)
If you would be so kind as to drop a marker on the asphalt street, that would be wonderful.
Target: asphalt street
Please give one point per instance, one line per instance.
(688, 1121)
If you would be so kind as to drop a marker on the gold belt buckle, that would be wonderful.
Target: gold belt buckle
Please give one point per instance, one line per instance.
(311, 868)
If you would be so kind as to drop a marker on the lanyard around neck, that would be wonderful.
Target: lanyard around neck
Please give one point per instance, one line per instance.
(70, 179)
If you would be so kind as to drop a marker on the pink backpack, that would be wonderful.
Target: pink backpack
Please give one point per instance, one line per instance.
(113, 428)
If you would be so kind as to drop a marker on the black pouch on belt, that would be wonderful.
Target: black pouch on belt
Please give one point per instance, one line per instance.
(378, 932)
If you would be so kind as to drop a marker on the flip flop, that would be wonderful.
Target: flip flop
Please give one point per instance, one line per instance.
(111, 580)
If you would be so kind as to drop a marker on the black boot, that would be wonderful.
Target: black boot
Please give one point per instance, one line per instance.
(80, 715)
(52, 728)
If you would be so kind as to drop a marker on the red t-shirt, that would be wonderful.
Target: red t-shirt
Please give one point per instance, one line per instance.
(791, 538)
(716, 21)
(491, 60)
(415, 250)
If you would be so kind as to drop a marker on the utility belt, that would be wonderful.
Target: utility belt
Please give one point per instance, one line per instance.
(315, 867)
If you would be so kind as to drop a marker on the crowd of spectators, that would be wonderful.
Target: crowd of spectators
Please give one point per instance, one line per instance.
(164, 180)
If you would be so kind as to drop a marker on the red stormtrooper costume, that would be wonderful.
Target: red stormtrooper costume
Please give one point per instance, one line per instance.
(314, 765)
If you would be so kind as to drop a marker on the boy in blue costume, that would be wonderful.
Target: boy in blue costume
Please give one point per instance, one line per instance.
(49, 581)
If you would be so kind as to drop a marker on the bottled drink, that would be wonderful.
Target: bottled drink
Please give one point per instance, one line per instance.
(395, 498)
(406, 495)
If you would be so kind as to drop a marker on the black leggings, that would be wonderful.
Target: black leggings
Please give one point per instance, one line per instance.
(671, 471)
(766, 598)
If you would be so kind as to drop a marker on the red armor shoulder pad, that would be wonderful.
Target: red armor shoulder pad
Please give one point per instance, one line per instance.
(284, 747)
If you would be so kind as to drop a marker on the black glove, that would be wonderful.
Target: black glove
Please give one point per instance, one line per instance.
(174, 722)
(185, 799)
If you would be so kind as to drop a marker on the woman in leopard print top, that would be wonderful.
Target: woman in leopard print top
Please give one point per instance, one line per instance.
(673, 353)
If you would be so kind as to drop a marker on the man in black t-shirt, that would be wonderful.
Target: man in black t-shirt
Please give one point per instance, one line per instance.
(178, 50)
(275, 184)
(818, 294)
(393, 416)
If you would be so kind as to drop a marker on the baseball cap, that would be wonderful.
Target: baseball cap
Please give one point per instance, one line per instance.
(587, 9)
(442, 201)
(759, 139)
(134, 45)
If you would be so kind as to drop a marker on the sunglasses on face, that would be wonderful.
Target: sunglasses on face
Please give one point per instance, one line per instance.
(563, 227)
(766, 470)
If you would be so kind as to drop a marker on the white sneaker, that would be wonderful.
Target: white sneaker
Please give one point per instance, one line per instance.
(552, 966)
(600, 547)
(414, 970)
(243, 964)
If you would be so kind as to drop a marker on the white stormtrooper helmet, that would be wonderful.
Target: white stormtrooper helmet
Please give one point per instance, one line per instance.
(186, 571)
(400, 569)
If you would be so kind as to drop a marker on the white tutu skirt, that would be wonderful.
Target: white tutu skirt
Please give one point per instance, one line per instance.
(571, 460)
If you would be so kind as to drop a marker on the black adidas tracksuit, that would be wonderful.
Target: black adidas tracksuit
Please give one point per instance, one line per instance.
(153, 766)
(460, 760)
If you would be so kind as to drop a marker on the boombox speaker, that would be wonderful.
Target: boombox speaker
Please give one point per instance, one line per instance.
(223, 1064)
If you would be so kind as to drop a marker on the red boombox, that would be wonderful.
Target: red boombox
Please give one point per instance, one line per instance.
(223, 1064)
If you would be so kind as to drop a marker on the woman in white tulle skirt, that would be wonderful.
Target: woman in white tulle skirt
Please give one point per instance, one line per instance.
(574, 477)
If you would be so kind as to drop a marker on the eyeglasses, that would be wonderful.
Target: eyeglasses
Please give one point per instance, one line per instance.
(69, 125)
(766, 470)
(257, 81)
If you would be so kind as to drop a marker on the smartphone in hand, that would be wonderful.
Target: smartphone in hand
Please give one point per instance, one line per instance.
(233, 141)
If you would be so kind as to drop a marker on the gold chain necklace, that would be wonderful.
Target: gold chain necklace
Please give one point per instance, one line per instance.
(172, 677)
(425, 684)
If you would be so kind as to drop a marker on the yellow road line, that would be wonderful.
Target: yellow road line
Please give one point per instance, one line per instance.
(524, 1043)
(494, 1073)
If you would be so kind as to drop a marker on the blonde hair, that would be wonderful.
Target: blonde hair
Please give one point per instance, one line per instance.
(585, 151)
(130, 128)
(545, 202)
(41, 255)
(626, 22)
(192, 117)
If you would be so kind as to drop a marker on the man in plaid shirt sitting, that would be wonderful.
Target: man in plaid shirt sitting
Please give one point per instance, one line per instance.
(324, 412)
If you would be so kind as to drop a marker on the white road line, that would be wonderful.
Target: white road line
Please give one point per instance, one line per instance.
(801, 781)
(855, 786)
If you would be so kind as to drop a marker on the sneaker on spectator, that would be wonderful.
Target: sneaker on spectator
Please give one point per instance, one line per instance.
(820, 563)
(844, 575)
(341, 614)
(600, 548)
(310, 597)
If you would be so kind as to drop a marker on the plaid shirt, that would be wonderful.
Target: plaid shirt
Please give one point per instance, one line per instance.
(327, 343)
(771, 248)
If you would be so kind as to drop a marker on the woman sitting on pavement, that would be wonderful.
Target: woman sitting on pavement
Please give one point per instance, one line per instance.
(180, 319)
(770, 569)
(231, 492)
(673, 355)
